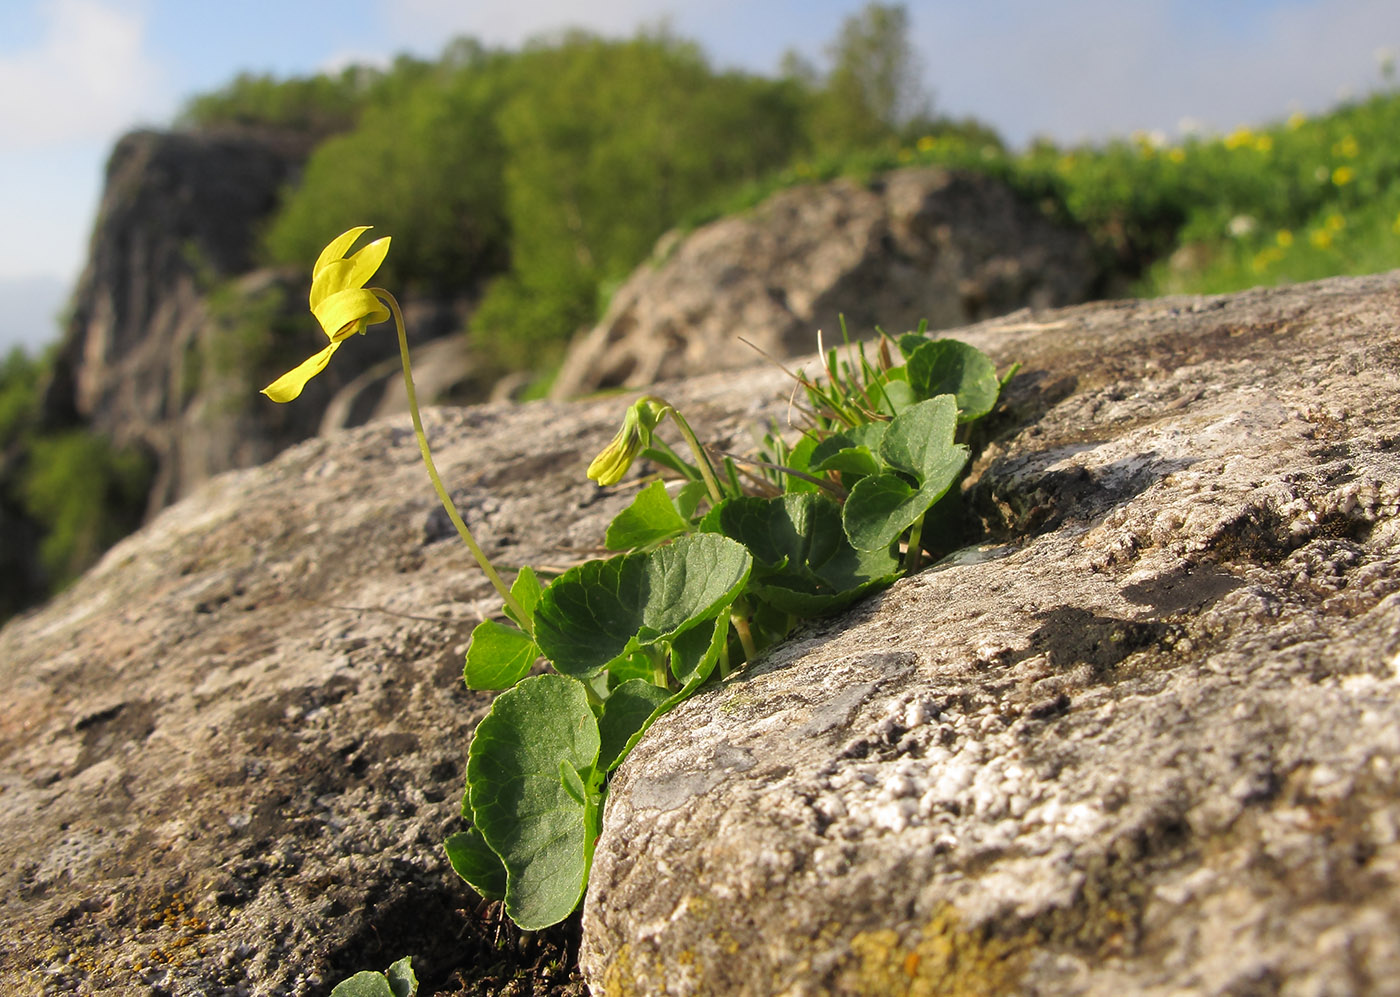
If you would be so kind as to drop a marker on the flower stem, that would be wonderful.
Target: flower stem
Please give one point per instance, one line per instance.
(707, 470)
(519, 611)
(912, 556)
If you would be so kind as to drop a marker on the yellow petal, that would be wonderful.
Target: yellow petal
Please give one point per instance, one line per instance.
(364, 263)
(343, 275)
(329, 279)
(289, 385)
(338, 247)
(346, 308)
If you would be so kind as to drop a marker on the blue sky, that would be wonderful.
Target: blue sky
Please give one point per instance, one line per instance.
(75, 74)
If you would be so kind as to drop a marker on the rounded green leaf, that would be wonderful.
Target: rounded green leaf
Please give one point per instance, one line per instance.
(498, 656)
(626, 713)
(475, 862)
(522, 810)
(651, 518)
(918, 444)
(597, 612)
(948, 367)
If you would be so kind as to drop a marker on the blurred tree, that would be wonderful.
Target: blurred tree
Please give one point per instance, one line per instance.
(875, 85)
(425, 165)
(608, 144)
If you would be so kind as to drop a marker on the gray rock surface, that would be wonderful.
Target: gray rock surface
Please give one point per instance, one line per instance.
(229, 753)
(947, 246)
(1144, 740)
(1140, 738)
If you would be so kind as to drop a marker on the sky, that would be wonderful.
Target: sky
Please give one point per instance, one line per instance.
(76, 74)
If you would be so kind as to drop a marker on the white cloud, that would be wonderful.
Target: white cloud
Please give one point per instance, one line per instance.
(87, 78)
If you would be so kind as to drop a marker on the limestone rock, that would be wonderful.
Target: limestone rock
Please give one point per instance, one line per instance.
(1145, 738)
(229, 753)
(949, 247)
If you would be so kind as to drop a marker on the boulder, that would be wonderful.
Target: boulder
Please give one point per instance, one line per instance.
(1138, 736)
(1143, 738)
(951, 247)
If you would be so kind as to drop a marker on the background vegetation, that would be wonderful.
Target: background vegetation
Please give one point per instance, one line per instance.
(540, 178)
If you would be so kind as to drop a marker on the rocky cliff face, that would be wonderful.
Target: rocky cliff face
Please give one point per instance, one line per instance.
(916, 244)
(1139, 737)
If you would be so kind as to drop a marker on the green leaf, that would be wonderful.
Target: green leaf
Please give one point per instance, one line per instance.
(520, 806)
(949, 367)
(651, 518)
(401, 978)
(690, 496)
(400, 982)
(920, 441)
(572, 782)
(799, 458)
(475, 862)
(365, 984)
(852, 451)
(909, 342)
(805, 566)
(498, 656)
(601, 611)
(693, 658)
(856, 461)
(919, 444)
(527, 589)
(626, 713)
(897, 395)
(694, 653)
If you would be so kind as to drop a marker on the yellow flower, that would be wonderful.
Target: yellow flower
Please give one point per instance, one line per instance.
(1395, 225)
(1321, 238)
(927, 143)
(1346, 147)
(634, 436)
(1238, 138)
(1284, 238)
(1264, 143)
(1297, 120)
(1335, 222)
(339, 302)
(1343, 175)
(1177, 155)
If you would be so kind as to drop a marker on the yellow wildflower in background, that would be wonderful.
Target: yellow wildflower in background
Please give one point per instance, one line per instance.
(1343, 175)
(1297, 120)
(1346, 148)
(1335, 222)
(1395, 225)
(1177, 155)
(1284, 238)
(1264, 143)
(1239, 138)
(927, 143)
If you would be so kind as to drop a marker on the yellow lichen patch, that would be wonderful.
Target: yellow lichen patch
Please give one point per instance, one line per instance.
(945, 960)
